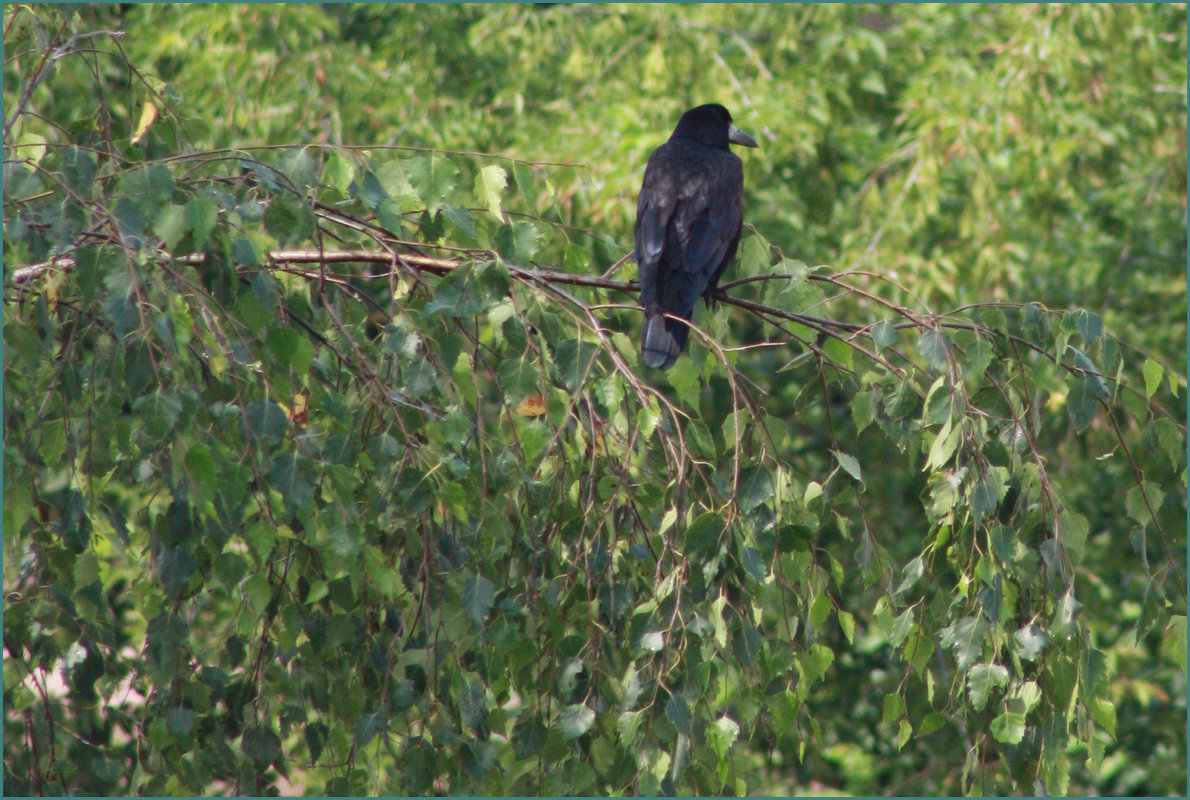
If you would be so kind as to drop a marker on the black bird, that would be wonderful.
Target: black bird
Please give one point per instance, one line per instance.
(688, 220)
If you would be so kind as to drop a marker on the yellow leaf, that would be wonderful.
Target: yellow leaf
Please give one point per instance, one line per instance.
(532, 406)
(147, 115)
(296, 413)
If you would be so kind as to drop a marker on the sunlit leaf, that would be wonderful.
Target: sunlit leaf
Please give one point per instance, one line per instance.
(575, 720)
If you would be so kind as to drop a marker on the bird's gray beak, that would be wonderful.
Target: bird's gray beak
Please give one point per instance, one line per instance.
(737, 136)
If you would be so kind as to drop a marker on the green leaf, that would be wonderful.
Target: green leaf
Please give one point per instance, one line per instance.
(816, 661)
(652, 641)
(575, 720)
(873, 82)
(987, 493)
(754, 564)
(904, 734)
(461, 218)
(935, 347)
(902, 627)
(944, 445)
(366, 727)
(684, 377)
(847, 623)
(820, 610)
(884, 334)
(284, 343)
(230, 569)
(910, 575)
(53, 442)
(243, 253)
(1025, 696)
(979, 355)
(433, 178)
(1066, 614)
(418, 770)
(150, 187)
(258, 592)
(1030, 640)
(1074, 529)
(518, 243)
(175, 566)
(180, 721)
(894, 708)
(339, 173)
(159, 410)
(1089, 373)
(293, 475)
(755, 487)
(170, 225)
(1004, 543)
(627, 725)
(1009, 727)
(966, 636)
(982, 679)
(678, 712)
(1153, 373)
(753, 256)
(704, 536)
(289, 219)
(722, 735)
(131, 220)
(849, 464)
(489, 186)
(839, 352)
(315, 735)
(574, 361)
(478, 594)
(201, 216)
(78, 167)
(519, 378)
(459, 294)
(1082, 403)
(939, 404)
(930, 723)
(1173, 644)
(265, 421)
(784, 708)
(1140, 499)
(568, 676)
(528, 735)
(300, 167)
(747, 643)
(369, 188)
(261, 745)
(863, 409)
(1089, 325)
(165, 640)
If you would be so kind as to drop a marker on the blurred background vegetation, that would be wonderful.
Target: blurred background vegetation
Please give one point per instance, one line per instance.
(939, 156)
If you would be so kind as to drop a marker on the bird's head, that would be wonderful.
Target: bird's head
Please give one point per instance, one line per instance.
(711, 125)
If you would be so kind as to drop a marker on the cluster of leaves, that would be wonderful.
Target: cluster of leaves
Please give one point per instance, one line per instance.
(334, 469)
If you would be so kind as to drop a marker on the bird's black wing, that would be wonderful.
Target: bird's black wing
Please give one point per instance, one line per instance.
(704, 228)
(712, 215)
(688, 220)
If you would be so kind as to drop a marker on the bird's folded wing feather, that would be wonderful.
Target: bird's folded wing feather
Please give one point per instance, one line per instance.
(650, 233)
(710, 234)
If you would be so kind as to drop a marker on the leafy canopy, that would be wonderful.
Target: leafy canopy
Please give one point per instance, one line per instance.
(331, 467)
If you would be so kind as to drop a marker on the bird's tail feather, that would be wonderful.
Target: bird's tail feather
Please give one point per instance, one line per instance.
(661, 341)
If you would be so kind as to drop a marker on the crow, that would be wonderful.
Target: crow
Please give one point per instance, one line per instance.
(688, 220)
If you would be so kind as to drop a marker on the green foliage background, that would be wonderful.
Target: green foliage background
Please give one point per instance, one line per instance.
(908, 518)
